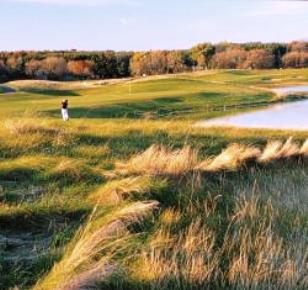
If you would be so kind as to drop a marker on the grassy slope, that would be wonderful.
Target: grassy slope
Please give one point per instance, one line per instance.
(48, 169)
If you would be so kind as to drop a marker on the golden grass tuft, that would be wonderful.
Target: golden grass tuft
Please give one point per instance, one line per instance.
(246, 209)
(289, 149)
(187, 256)
(158, 160)
(275, 150)
(71, 169)
(170, 216)
(91, 151)
(304, 149)
(89, 258)
(118, 190)
(252, 254)
(21, 127)
(27, 133)
(231, 158)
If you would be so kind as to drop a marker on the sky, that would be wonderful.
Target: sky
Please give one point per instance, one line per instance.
(147, 24)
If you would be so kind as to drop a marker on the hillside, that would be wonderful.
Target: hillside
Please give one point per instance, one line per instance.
(130, 195)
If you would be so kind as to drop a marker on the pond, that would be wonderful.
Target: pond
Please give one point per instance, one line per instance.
(290, 90)
(287, 116)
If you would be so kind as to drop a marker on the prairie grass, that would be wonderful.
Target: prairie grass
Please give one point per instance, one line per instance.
(118, 190)
(91, 151)
(234, 156)
(158, 160)
(89, 257)
(21, 127)
(187, 257)
(276, 150)
(200, 209)
(252, 255)
(304, 148)
(74, 170)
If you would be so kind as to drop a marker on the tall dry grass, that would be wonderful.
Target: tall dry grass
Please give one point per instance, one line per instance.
(27, 129)
(158, 160)
(234, 156)
(89, 258)
(21, 127)
(187, 257)
(252, 256)
(248, 254)
(116, 191)
(277, 150)
(258, 256)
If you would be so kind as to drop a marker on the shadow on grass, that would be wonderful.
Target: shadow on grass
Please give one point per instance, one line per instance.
(167, 283)
(131, 110)
(167, 107)
(155, 108)
(27, 254)
(18, 174)
(51, 92)
(40, 219)
(6, 90)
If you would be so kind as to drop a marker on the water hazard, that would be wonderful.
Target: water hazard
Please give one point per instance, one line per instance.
(287, 116)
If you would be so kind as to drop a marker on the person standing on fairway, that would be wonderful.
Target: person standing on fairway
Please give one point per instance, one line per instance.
(64, 110)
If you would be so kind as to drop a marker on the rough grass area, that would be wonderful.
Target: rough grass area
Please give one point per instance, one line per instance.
(129, 195)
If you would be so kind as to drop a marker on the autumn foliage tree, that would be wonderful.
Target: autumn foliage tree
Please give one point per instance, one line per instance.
(178, 61)
(159, 62)
(33, 69)
(202, 55)
(259, 59)
(230, 59)
(80, 68)
(149, 63)
(67, 65)
(54, 67)
(299, 46)
(295, 59)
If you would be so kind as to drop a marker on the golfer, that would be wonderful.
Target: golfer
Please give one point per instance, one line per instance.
(64, 110)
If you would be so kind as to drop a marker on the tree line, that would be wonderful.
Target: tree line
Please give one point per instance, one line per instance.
(76, 65)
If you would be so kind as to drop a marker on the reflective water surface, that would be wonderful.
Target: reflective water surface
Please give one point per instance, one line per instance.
(291, 89)
(288, 116)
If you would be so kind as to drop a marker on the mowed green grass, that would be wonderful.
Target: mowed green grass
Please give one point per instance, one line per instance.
(183, 95)
(49, 169)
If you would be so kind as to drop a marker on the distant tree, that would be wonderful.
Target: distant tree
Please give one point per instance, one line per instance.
(33, 69)
(15, 65)
(231, 59)
(123, 62)
(278, 50)
(136, 63)
(187, 60)
(4, 76)
(295, 59)
(259, 59)
(226, 46)
(158, 62)
(299, 46)
(100, 66)
(80, 68)
(148, 63)
(109, 64)
(53, 68)
(202, 54)
(176, 61)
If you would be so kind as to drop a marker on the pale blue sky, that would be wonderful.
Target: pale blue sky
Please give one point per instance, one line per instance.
(141, 24)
